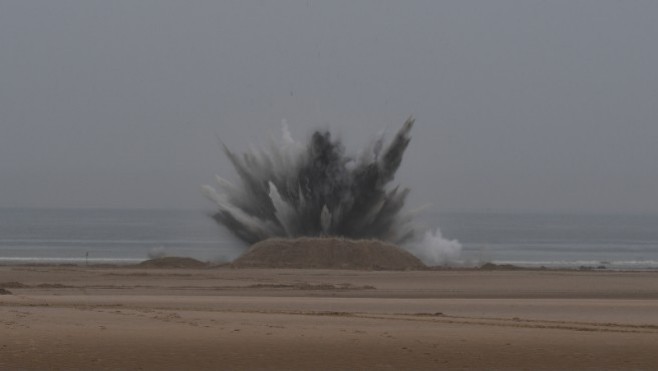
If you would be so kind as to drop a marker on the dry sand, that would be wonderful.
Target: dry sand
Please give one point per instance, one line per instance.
(221, 318)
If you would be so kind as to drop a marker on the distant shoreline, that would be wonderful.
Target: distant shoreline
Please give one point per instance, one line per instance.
(144, 263)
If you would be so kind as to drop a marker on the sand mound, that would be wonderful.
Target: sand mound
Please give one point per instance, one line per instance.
(331, 253)
(172, 262)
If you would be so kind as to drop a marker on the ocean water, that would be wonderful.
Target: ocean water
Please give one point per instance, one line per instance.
(110, 236)
(555, 240)
(130, 236)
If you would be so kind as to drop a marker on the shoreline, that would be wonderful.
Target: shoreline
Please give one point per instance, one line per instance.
(489, 266)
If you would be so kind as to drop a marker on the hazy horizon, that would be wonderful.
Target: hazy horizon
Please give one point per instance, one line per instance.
(520, 106)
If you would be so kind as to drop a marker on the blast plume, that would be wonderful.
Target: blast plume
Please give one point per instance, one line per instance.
(318, 189)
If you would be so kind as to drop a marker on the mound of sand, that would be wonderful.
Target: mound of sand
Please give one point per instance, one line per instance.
(327, 253)
(172, 262)
(499, 267)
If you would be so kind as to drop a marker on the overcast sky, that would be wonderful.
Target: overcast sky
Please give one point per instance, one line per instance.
(520, 105)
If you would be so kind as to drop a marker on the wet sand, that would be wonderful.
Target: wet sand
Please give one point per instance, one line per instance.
(130, 318)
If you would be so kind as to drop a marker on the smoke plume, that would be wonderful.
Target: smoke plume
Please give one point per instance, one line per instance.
(317, 189)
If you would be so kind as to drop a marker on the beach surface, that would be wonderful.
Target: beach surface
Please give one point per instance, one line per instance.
(54, 317)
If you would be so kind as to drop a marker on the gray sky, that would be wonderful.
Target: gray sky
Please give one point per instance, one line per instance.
(520, 105)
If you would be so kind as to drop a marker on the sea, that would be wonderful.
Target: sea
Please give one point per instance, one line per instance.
(535, 240)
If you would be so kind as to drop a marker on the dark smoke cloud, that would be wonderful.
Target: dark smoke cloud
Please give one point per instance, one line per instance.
(315, 190)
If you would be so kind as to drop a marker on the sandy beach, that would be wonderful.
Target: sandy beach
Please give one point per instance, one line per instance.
(222, 318)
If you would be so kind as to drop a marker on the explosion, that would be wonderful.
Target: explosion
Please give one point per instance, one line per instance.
(316, 190)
